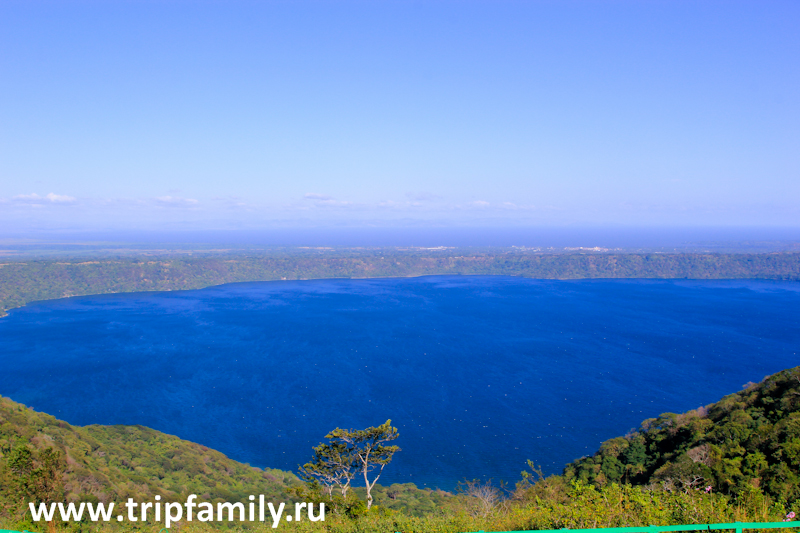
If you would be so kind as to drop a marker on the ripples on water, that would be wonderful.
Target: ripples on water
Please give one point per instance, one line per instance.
(478, 373)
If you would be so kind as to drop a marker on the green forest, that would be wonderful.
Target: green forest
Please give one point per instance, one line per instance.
(735, 460)
(24, 281)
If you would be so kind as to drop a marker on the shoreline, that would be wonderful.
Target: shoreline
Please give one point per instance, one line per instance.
(21, 282)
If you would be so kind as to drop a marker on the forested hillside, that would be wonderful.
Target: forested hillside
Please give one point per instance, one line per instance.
(45, 459)
(112, 463)
(25, 281)
(747, 441)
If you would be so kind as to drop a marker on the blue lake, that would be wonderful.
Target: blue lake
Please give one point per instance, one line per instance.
(478, 373)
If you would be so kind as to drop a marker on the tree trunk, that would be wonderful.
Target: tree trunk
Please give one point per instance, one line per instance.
(369, 489)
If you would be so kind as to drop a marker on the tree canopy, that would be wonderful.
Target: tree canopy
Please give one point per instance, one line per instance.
(352, 451)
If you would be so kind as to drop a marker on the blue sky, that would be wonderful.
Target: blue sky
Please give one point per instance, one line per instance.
(249, 115)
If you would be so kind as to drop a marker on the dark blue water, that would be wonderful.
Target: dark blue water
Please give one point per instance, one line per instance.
(478, 373)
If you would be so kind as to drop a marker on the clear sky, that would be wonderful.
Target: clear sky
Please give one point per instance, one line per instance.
(222, 115)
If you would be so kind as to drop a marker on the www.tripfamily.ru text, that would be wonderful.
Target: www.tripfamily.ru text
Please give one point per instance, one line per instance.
(171, 512)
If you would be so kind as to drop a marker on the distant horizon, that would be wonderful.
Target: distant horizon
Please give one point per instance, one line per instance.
(622, 238)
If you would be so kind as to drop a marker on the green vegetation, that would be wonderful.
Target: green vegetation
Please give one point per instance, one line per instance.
(25, 281)
(45, 459)
(746, 447)
(113, 463)
(555, 504)
(347, 453)
(748, 442)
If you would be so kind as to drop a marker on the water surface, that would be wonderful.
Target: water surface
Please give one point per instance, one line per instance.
(478, 373)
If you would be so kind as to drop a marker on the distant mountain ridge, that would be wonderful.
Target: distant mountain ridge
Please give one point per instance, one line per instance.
(26, 281)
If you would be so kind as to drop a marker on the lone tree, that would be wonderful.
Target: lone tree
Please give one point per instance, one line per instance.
(333, 465)
(351, 451)
(368, 449)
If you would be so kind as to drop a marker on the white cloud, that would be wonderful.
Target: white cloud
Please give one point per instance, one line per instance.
(314, 196)
(50, 198)
(176, 201)
(27, 198)
(60, 198)
(333, 203)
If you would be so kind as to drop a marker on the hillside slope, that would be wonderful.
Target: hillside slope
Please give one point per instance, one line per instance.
(25, 281)
(112, 463)
(748, 440)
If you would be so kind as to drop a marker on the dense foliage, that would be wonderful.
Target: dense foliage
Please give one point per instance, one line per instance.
(112, 463)
(746, 442)
(25, 281)
(45, 459)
